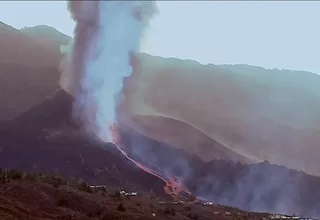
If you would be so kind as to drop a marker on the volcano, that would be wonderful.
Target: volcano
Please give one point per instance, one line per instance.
(45, 139)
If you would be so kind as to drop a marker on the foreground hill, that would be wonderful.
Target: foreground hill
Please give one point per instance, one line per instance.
(45, 139)
(36, 196)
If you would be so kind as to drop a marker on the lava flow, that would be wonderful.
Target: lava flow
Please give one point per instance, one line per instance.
(172, 187)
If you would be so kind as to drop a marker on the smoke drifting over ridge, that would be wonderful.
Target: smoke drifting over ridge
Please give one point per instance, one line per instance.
(107, 33)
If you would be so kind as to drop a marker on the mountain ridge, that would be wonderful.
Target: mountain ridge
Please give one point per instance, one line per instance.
(48, 36)
(240, 108)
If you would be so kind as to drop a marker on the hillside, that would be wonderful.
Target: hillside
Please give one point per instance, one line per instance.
(30, 139)
(28, 72)
(45, 139)
(253, 111)
(52, 197)
(262, 187)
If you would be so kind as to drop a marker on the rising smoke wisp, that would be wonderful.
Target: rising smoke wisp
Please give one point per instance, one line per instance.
(107, 33)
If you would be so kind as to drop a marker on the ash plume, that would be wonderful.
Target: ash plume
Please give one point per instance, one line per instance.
(106, 34)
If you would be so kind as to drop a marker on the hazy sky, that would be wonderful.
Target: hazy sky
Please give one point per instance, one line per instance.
(270, 34)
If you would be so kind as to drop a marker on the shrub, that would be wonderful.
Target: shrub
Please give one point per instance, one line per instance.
(167, 211)
(31, 177)
(15, 175)
(116, 194)
(193, 216)
(171, 211)
(102, 188)
(84, 187)
(62, 202)
(121, 207)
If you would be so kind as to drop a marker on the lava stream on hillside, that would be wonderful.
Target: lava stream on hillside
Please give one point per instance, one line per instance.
(173, 186)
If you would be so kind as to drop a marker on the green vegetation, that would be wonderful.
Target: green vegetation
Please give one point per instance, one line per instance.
(121, 207)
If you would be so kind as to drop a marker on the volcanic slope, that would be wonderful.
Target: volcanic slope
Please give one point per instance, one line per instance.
(44, 139)
(251, 112)
(261, 187)
(26, 85)
(50, 37)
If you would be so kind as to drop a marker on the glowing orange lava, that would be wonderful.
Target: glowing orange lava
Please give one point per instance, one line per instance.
(172, 186)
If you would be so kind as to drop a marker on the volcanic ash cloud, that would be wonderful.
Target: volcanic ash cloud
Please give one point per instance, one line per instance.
(107, 33)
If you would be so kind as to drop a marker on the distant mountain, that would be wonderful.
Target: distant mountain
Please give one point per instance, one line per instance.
(28, 72)
(48, 36)
(258, 113)
(19, 48)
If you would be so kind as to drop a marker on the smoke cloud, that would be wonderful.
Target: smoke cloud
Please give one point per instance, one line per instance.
(107, 33)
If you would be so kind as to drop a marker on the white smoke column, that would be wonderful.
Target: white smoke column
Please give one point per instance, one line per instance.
(106, 34)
